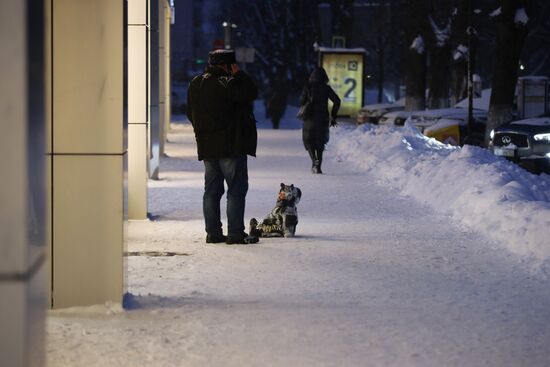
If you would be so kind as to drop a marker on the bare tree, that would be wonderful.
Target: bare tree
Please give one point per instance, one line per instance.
(511, 32)
(283, 33)
(438, 41)
(460, 52)
(380, 41)
(415, 42)
(342, 19)
(536, 50)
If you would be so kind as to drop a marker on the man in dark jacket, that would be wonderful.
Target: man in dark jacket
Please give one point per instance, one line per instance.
(220, 109)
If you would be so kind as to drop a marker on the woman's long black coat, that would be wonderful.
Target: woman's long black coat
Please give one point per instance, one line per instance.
(315, 132)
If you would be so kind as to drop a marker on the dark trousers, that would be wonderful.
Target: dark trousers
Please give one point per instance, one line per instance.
(235, 172)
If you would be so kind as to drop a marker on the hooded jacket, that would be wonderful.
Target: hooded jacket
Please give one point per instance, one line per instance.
(220, 108)
(315, 132)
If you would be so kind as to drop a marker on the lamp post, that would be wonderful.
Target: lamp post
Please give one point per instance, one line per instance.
(227, 26)
(471, 33)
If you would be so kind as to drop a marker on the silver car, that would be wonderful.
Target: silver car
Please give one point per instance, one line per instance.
(372, 113)
(522, 140)
(396, 118)
(426, 118)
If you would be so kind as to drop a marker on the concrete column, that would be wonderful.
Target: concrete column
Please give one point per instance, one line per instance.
(138, 108)
(87, 129)
(22, 196)
(167, 71)
(162, 75)
(154, 61)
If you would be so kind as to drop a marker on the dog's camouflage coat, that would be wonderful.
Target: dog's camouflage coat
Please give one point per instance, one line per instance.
(283, 218)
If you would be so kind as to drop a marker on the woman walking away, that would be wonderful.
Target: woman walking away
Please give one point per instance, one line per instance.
(315, 132)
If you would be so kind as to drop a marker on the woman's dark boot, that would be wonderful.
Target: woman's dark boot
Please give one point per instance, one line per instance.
(319, 156)
(313, 159)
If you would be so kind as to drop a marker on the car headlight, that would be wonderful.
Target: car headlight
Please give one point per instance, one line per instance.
(542, 137)
(492, 134)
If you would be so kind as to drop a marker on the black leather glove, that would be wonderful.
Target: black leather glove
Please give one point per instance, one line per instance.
(333, 122)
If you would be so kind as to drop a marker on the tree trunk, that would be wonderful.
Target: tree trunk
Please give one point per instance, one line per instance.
(510, 37)
(440, 54)
(415, 68)
(459, 53)
(381, 77)
(342, 19)
(440, 80)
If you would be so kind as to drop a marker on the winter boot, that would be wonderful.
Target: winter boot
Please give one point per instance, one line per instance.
(313, 159)
(316, 167)
(319, 154)
(241, 239)
(254, 231)
(215, 238)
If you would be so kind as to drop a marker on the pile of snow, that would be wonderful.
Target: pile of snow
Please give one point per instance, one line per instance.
(488, 193)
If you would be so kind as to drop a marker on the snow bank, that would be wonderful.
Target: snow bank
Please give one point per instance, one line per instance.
(488, 193)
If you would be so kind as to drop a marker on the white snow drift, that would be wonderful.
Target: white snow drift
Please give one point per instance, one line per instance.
(486, 192)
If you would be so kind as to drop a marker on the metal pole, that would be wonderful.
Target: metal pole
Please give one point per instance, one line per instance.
(470, 76)
(227, 32)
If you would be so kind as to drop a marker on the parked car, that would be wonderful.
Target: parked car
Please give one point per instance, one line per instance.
(372, 112)
(396, 118)
(454, 131)
(520, 140)
(426, 118)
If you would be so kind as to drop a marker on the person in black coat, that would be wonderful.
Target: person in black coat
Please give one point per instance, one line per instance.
(220, 108)
(276, 103)
(315, 133)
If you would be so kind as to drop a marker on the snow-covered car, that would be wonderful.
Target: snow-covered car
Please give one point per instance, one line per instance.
(527, 139)
(454, 131)
(372, 112)
(426, 118)
(396, 118)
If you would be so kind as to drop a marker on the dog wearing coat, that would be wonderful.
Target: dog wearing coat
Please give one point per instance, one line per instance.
(282, 220)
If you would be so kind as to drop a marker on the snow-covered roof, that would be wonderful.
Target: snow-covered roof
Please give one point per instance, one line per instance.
(540, 121)
(343, 50)
(445, 112)
(379, 106)
(479, 103)
(534, 77)
(401, 113)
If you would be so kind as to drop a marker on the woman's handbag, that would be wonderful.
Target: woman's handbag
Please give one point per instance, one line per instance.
(306, 110)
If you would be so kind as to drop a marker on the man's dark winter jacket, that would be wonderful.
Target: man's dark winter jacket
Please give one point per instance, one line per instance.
(220, 108)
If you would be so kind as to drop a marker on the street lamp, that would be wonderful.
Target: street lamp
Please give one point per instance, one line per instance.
(470, 33)
(227, 26)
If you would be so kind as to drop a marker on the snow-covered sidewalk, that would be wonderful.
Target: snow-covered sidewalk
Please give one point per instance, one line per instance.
(373, 278)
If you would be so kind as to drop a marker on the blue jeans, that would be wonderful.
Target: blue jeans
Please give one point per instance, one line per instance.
(235, 172)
